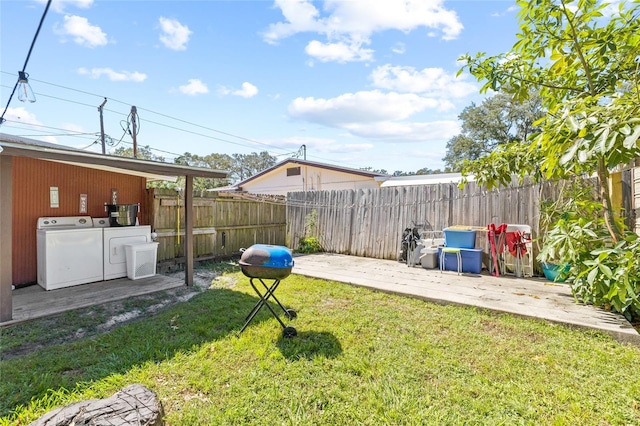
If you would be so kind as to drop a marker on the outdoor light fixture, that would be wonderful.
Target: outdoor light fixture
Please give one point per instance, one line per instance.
(25, 93)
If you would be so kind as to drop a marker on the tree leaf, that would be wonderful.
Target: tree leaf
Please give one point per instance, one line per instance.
(568, 156)
(631, 140)
(572, 123)
(605, 270)
(592, 276)
(601, 142)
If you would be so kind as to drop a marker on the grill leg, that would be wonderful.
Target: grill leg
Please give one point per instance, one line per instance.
(263, 297)
(269, 290)
(269, 294)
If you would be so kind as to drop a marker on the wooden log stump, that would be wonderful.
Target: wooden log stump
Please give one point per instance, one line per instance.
(133, 405)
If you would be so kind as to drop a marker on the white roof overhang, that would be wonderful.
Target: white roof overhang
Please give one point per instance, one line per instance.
(22, 147)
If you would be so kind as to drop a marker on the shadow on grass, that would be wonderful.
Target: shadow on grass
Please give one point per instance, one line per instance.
(310, 345)
(211, 315)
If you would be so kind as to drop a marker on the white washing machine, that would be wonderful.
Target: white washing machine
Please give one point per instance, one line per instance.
(114, 240)
(69, 251)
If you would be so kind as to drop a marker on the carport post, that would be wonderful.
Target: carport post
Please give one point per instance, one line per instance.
(6, 235)
(188, 230)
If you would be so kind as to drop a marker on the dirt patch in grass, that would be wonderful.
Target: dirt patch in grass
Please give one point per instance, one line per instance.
(67, 327)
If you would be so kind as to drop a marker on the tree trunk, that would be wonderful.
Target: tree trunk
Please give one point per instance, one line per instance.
(133, 405)
(605, 196)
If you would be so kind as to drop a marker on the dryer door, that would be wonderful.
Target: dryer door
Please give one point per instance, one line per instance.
(115, 260)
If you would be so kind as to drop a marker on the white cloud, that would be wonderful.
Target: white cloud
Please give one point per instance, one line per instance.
(112, 75)
(506, 11)
(429, 81)
(24, 117)
(194, 87)
(321, 145)
(360, 107)
(82, 32)
(379, 115)
(410, 131)
(60, 5)
(351, 23)
(300, 16)
(73, 128)
(399, 48)
(175, 36)
(248, 90)
(338, 52)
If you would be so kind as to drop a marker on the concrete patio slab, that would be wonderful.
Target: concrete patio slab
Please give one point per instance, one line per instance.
(526, 297)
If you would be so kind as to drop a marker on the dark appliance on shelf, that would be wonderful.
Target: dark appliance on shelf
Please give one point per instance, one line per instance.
(122, 214)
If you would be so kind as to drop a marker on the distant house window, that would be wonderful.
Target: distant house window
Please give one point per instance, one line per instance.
(293, 171)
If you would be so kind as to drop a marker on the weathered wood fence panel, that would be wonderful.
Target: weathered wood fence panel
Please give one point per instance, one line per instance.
(370, 222)
(222, 225)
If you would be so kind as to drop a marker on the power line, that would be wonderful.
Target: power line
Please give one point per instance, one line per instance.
(65, 100)
(253, 141)
(155, 122)
(67, 132)
(153, 112)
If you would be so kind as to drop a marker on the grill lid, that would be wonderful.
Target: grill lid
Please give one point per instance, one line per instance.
(268, 256)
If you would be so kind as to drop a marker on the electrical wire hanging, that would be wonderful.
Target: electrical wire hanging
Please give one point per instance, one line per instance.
(164, 124)
(24, 67)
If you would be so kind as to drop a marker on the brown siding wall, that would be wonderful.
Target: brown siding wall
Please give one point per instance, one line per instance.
(31, 181)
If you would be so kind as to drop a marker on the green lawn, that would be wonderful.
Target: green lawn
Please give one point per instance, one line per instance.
(360, 357)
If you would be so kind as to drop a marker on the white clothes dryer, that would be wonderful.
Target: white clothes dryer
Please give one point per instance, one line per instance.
(115, 239)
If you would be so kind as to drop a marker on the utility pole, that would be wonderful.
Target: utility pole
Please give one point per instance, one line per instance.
(134, 113)
(304, 151)
(102, 126)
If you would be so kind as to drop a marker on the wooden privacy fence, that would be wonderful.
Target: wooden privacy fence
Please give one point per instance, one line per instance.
(370, 222)
(222, 225)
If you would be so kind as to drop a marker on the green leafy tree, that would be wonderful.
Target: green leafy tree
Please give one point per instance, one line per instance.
(584, 59)
(244, 166)
(428, 171)
(143, 153)
(372, 170)
(585, 65)
(498, 120)
(239, 166)
(422, 171)
(211, 161)
(146, 153)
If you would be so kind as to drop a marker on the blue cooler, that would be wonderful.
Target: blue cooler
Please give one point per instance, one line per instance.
(460, 238)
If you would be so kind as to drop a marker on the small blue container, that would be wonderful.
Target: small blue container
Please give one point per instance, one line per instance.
(460, 238)
(554, 272)
(471, 260)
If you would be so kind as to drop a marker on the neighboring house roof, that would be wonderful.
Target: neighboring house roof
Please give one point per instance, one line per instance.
(421, 179)
(22, 147)
(295, 161)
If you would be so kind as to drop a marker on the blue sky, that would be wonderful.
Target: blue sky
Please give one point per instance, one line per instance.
(360, 83)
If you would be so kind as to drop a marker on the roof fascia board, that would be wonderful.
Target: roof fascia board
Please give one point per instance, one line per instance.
(148, 176)
(310, 164)
(122, 163)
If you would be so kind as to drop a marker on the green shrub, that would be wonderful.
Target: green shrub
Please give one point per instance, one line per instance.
(309, 245)
(602, 274)
(610, 277)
